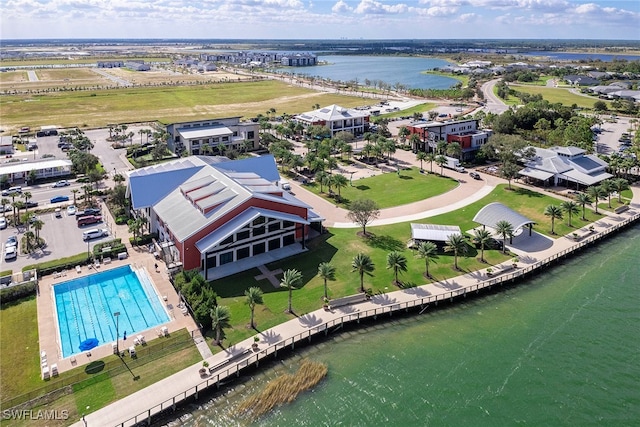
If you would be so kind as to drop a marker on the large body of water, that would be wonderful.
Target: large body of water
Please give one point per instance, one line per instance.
(407, 71)
(561, 349)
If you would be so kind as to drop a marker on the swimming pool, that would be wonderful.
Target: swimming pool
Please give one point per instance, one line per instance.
(85, 308)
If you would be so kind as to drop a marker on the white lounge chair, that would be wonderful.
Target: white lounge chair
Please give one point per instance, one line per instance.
(165, 331)
(132, 351)
(54, 369)
(78, 269)
(45, 373)
(140, 339)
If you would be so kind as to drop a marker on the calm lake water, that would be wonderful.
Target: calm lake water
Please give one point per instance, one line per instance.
(391, 70)
(561, 349)
(570, 56)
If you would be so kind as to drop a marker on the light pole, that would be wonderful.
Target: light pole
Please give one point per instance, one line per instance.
(116, 315)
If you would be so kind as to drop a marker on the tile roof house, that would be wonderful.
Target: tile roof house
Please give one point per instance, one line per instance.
(221, 216)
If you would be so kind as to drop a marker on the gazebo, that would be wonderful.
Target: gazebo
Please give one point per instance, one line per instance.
(495, 212)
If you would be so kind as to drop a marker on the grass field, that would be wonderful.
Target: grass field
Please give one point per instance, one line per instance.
(555, 95)
(77, 60)
(389, 189)
(339, 246)
(166, 104)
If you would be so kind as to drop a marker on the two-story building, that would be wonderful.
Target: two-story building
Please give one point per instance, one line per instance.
(464, 132)
(221, 216)
(213, 136)
(336, 119)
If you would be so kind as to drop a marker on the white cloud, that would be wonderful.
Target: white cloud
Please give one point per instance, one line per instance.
(341, 7)
(372, 7)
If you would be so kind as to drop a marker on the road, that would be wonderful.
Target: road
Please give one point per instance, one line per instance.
(493, 104)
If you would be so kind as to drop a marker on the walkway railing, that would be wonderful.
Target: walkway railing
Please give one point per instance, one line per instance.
(236, 366)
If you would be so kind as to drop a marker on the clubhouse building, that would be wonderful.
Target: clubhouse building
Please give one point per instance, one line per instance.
(336, 119)
(221, 216)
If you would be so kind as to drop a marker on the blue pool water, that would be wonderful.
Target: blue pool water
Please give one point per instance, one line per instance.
(85, 308)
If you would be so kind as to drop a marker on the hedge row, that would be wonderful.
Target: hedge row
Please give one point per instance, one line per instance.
(16, 292)
(145, 239)
(55, 265)
(97, 249)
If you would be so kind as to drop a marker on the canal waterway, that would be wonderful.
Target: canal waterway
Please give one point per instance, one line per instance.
(561, 349)
(408, 71)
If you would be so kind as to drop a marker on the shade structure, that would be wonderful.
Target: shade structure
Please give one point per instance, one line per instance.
(88, 344)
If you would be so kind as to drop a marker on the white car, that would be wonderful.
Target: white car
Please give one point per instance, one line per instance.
(62, 183)
(3, 223)
(12, 190)
(71, 210)
(10, 252)
(94, 233)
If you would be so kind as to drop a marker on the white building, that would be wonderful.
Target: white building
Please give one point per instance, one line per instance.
(213, 136)
(337, 119)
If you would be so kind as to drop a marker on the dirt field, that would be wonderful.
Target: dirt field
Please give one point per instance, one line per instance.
(165, 76)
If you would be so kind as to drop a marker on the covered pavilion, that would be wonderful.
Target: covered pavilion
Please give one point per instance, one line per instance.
(495, 212)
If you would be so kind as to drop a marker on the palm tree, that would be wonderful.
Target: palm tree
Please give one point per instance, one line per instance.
(620, 184)
(431, 157)
(504, 229)
(254, 297)
(75, 191)
(37, 226)
(607, 189)
(421, 156)
(428, 251)
(457, 244)
(595, 192)
(441, 161)
(481, 237)
(570, 207)
(554, 212)
(583, 199)
(327, 272)
(291, 279)
(339, 181)
(26, 195)
(28, 236)
(220, 320)
(4, 202)
(398, 262)
(363, 264)
(320, 177)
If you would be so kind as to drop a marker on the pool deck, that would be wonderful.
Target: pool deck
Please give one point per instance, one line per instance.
(48, 326)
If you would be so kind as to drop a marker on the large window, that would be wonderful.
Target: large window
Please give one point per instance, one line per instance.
(258, 248)
(289, 239)
(257, 231)
(243, 253)
(274, 226)
(242, 235)
(226, 258)
(274, 244)
(227, 240)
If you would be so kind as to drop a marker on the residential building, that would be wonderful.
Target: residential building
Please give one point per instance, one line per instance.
(221, 216)
(464, 132)
(299, 60)
(336, 119)
(213, 136)
(6, 145)
(565, 166)
(18, 172)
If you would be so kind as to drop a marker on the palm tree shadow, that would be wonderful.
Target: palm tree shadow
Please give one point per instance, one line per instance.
(270, 337)
(309, 320)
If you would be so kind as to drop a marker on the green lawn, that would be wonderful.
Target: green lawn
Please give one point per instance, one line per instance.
(339, 246)
(556, 95)
(389, 189)
(422, 108)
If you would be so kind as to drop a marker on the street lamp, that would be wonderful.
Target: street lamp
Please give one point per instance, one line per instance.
(116, 315)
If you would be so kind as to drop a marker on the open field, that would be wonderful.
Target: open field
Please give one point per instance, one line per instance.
(157, 76)
(166, 104)
(389, 190)
(45, 62)
(555, 95)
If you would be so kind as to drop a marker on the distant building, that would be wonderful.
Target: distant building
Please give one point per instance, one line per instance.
(299, 60)
(137, 65)
(18, 172)
(337, 119)
(110, 64)
(213, 136)
(578, 80)
(6, 144)
(464, 132)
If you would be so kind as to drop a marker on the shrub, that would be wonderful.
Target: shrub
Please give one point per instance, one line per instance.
(16, 292)
(68, 263)
(121, 220)
(145, 239)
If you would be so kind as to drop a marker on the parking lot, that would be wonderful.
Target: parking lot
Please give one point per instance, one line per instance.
(63, 238)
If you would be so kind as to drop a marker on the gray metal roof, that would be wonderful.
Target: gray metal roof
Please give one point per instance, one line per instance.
(535, 173)
(495, 212)
(204, 132)
(439, 233)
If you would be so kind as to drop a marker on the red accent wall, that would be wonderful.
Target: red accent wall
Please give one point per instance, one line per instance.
(463, 140)
(192, 254)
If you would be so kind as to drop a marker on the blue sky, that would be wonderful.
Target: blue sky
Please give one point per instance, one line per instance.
(321, 19)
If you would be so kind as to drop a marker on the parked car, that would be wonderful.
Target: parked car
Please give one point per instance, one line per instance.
(10, 252)
(58, 212)
(71, 210)
(11, 241)
(12, 190)
(92, 211)
(59, 199)
(88, 219)
(94, 233)
(474, 175)
(3, 223)
(31, 204)
(62, 183)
